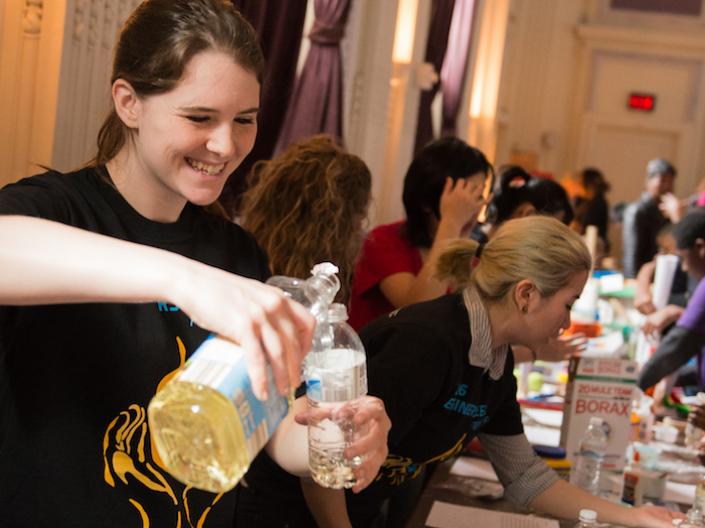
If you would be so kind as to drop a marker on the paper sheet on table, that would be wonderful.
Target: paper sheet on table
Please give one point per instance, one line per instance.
(679, 492)
(473, 467)
(547, 417)
(666, 266)
(445, 515)
(539, 435)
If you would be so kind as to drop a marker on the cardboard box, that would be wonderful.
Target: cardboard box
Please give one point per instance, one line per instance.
(603, 387)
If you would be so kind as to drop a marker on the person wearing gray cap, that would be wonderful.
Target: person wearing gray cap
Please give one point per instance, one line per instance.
(643, 219)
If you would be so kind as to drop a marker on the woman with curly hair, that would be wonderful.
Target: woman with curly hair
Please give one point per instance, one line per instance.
(308, 205)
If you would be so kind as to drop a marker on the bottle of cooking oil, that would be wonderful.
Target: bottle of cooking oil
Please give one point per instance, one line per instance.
(336, 377)
(206, 423)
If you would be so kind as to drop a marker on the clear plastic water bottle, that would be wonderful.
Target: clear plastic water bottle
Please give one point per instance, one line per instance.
(586, 519)
(588, 462)
(693, 519)
(336, 377)
(206, 423)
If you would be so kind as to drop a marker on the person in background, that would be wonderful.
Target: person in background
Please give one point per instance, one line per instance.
(444, 371)
(551, 199)
(518, 195)
(592, 208)
(511, 199)
(443, 195)
(327, 193)
(687, 338)
(643, 219)
(305, 206)
(115, 273)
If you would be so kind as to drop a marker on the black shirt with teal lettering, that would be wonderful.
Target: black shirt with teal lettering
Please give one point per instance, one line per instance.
(76, 379)
(417, 363)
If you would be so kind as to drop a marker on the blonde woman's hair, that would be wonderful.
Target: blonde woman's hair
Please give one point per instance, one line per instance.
(308, 205)
(538, 248)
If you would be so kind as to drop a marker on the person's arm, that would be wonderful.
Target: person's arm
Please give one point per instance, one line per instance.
(630, 242)
(564, 500)
(326, 505)
(657, 322)
(46, 262)
(643, 300)
(530, 483)
(674, 350)
(460, 203)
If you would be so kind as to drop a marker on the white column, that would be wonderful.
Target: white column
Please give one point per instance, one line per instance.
(55, 65)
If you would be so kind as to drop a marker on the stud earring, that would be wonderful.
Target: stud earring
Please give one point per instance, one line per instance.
(524, 309)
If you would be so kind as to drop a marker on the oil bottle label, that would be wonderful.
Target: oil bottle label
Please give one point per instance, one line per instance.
(220, 364)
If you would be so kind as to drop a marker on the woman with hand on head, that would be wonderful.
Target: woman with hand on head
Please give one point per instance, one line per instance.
(443, 195)
(115, 273)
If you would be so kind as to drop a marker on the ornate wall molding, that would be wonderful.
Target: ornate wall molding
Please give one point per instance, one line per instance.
(80, 15)
(32, 19)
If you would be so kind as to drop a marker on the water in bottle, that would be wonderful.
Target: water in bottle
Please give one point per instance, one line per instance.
(588, 461)
(206, 423)
(587, 519)
(335, 377)
(694, 519)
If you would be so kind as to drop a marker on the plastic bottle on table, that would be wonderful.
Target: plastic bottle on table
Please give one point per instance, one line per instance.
(694, 519)
(588, 462)
(587, 519)
(699, 502)
(206, 423)
(336, 377)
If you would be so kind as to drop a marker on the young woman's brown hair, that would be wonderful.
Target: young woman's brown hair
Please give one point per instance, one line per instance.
(308, 205)
(157, 42)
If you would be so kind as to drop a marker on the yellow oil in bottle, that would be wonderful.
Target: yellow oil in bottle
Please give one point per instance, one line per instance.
(200, 438)
(206, 423)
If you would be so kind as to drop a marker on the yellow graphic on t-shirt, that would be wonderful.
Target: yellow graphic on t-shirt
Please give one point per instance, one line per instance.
(129, 454)
(397, 469)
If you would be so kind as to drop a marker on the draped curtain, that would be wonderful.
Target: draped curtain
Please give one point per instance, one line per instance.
(316, 104)
(455, 64)
(441, 15)
(280, 31)
(448, 45)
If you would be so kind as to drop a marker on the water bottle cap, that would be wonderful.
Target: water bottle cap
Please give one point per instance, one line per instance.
(596, 420)
(337, 312)
(588, 515)
(324, 268)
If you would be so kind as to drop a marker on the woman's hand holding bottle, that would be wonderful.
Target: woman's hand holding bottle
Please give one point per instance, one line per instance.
(372, 426)
(271, 329)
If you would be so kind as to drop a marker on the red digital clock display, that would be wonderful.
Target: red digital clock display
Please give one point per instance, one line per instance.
(641, 101)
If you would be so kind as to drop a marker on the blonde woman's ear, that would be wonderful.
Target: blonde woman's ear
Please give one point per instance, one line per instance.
(523, 291)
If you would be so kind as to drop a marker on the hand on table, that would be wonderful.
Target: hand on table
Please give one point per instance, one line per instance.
(372, 424)
(657, 321)
(649, 516)
(562, 348)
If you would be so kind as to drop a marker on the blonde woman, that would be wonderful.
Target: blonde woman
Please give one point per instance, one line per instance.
(444, 371)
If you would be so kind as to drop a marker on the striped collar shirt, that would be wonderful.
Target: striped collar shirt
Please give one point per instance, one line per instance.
(481, 353)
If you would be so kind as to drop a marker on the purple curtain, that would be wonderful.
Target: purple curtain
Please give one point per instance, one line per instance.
(280, 31)
(455, 63)
(441, 15)
(316, 104)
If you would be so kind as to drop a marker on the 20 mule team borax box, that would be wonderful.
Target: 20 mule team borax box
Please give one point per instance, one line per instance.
(603, 387)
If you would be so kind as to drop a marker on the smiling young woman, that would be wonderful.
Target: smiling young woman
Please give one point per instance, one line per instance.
(115, 273)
